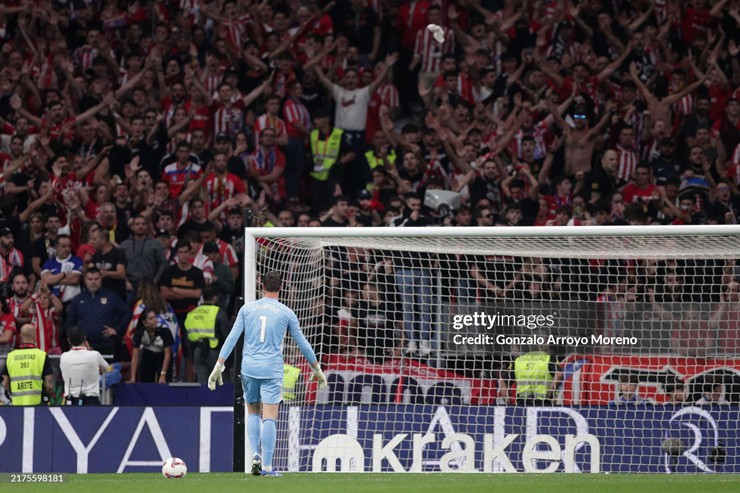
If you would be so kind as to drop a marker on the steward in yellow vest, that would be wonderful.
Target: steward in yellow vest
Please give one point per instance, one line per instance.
(325, 150)
(329, 152)
(380, 154)
(27, 372)
(537, 377)
(291, 376)
(207, 329)
(201, 325)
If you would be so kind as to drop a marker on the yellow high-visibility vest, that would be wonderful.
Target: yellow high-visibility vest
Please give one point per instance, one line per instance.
(374, 162)
(201, 324)
(291, 374)
(325, 153)
(532, 374)
(26, 371)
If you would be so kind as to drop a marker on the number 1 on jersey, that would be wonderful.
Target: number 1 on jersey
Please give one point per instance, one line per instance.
(263, 319)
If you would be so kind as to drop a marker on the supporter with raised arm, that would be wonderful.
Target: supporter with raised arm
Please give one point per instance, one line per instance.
(352, 101)
(580, 140)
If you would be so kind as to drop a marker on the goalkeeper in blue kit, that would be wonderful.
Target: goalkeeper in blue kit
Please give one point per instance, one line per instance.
(264, 323)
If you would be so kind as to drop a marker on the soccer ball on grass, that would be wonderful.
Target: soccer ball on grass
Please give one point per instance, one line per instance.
(174, 468)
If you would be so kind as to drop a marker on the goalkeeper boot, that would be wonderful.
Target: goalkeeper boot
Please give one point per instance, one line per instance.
(256, 465)
(271, 473)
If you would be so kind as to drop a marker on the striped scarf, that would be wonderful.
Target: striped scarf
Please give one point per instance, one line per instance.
(46, 329)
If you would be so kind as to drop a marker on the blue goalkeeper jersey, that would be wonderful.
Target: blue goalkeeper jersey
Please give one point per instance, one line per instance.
(264, 323)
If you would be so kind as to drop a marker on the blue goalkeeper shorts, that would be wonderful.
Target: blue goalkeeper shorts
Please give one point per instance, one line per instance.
(264, 390)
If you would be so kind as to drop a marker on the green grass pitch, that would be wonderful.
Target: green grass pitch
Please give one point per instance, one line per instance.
(391, 483)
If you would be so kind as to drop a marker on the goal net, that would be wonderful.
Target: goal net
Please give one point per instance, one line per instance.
(580, 349)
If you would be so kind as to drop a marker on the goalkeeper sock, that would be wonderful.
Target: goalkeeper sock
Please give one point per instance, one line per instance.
(254, 431)
(268, 443)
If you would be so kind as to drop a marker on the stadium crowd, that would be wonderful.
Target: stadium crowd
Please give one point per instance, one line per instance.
(140, 137)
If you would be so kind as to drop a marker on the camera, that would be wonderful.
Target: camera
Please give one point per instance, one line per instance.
(442, 201)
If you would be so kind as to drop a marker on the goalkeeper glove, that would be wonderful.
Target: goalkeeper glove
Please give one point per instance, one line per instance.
(216, 376)
(318, 376)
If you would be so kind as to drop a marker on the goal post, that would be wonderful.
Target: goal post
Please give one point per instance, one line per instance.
(419, 331)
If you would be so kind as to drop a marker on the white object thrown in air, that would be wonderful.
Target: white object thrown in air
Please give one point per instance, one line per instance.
(437, 31)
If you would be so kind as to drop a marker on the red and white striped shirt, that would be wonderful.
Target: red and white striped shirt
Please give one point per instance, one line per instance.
(220, 189)
(172, 143)
(228, 120)
(269, 121)
(637, 122)
(733, 170)
(211, 82)
(294, 111)
(44, 74)
(684, 107)
(237, 29)
(280, 84)
(202, 262)
(169, 106)
(14, 305)
(46, 323)
(8, 326)
(386, 94)
(465, 87)
(430, 51)
(651, 150)
(227, 253)
(611, 311)
(539, 134)
(627, 163)
(14, 259)
(83, 57)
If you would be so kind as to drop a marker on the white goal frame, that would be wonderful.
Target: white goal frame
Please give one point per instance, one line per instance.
(720, 242)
